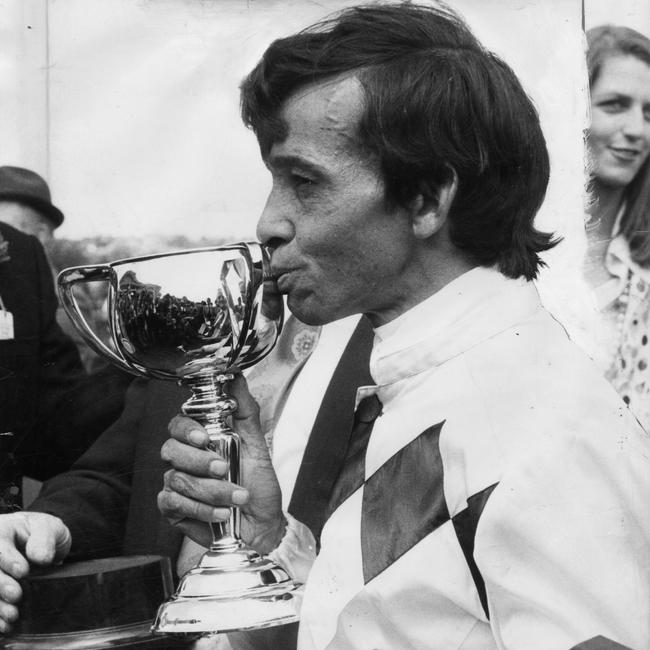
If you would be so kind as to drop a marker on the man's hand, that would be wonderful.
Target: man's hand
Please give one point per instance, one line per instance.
(26, 537)
(196, 493)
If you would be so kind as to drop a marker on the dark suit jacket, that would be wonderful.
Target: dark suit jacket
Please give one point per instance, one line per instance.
(42, 383)
(108, 499)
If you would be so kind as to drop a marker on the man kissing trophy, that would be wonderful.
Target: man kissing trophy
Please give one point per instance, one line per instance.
(198, 317)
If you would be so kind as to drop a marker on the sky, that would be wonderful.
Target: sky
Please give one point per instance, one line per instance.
(143, 135)
(631, 13)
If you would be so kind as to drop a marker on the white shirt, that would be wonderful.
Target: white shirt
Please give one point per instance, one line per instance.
(486, 402)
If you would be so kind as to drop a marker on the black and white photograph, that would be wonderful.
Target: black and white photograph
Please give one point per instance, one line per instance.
(324, 324)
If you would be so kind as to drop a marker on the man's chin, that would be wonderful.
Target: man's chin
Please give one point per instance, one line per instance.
(309, 318)
(310, 314)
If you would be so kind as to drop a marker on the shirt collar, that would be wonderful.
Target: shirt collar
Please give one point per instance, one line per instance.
(618, 262)
(472, 308)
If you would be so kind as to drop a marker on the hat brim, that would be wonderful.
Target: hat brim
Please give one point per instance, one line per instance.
(46, 209)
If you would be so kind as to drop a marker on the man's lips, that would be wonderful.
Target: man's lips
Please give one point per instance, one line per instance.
(281, 276)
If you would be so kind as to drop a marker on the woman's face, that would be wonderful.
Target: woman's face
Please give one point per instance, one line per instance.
(619, 138)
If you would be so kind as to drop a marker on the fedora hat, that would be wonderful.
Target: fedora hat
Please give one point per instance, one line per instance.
(25, 186)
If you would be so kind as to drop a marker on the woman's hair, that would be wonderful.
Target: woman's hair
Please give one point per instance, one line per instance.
(436, 103)
(603, 43)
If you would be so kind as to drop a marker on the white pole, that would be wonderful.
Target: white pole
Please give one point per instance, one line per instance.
(24, 71)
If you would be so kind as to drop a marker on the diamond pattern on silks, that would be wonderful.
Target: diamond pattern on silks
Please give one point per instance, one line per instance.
(465, 523)
(600, 643)
(403, 501)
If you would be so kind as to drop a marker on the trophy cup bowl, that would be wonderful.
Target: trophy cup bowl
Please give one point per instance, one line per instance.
(198, 317)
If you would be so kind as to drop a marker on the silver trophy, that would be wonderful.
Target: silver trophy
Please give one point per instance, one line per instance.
(197, 317)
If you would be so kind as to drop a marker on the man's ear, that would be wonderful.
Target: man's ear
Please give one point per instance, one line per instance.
(429, 211)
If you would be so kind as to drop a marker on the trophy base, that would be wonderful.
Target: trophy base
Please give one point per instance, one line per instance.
(230, 591)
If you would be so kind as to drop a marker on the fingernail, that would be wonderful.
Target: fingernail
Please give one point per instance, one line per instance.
(240, 497)
(218, 468)
(197, 437)
(17, 570)
(219, 515)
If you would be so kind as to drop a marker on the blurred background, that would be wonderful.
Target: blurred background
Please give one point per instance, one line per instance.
(129, 109)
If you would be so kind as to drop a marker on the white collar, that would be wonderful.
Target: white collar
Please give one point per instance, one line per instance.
(472, 308)
(618, 262)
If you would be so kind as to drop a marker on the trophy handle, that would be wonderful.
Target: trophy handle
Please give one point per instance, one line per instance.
(66, 281)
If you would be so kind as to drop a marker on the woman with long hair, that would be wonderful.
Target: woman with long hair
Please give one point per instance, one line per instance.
(617, 263)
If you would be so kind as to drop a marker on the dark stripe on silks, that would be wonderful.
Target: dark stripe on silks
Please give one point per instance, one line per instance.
(325, 451)
(403, 501)
(465, 523)
(354, 469)
(600, 643)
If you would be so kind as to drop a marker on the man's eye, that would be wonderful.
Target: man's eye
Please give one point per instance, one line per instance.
(300, 180)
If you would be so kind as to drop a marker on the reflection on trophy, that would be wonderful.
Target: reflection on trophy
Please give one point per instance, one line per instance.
(197, 317)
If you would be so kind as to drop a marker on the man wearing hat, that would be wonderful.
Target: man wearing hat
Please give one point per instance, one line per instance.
(43, 430)
(26, 204)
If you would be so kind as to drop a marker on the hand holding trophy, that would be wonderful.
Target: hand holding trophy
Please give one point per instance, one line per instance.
(196, 317)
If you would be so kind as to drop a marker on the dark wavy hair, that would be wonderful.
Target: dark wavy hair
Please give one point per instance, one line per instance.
(603, 43)
(435, 101)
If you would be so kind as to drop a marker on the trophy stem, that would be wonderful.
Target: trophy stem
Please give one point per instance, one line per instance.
(210, 405)
(232, 587)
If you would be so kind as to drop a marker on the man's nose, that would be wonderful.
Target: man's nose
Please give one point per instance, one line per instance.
(274, 226)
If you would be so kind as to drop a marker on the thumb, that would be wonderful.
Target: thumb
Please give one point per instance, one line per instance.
(247, 414)
(246, 419)
(49, 541)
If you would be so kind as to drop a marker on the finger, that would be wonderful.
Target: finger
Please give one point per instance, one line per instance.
(188, 431)
(248, 409)
(12, 561)
(49, 541)
(199, 462)
(213, 492)
(247, 420)
(272, 305)
(197, 531)
(8, 614)
(176, 507)
(10, 590)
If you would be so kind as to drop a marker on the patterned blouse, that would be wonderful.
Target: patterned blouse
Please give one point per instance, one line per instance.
(621, 345)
